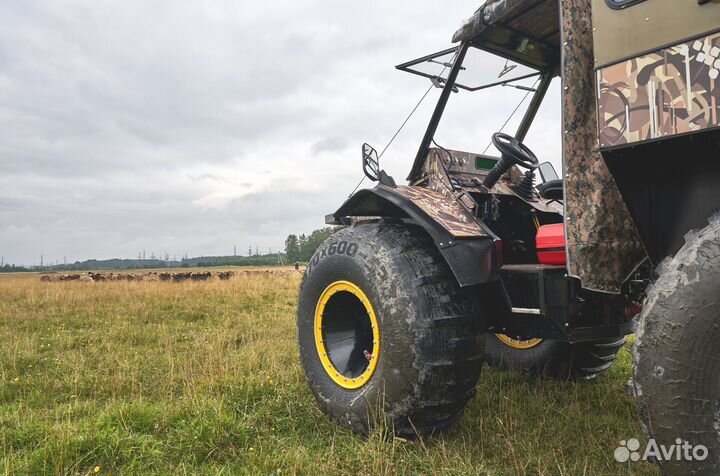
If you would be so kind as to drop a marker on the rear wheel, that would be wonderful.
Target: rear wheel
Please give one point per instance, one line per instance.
(676, 360)
(386, 334)
(557, 359)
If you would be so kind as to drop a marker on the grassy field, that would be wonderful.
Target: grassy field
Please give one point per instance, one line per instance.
(204, 378)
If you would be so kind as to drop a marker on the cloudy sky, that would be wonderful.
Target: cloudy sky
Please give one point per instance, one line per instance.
(190, 127)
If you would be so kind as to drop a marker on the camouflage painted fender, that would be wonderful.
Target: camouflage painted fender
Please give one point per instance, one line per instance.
(467, 247)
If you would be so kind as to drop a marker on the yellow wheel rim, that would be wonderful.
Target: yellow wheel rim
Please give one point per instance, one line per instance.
(346, 332)
(518, 344)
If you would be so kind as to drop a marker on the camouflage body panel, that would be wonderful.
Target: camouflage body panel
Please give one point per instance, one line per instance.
(444, 210)
(467, 178)
(457, 161)
(673, 91)
(460, 162)
(436, 197)
(490, 12)
(603, 245)
(531, 21)
(434, 175)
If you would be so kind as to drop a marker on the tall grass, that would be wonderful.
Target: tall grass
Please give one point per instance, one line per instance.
(204, 378)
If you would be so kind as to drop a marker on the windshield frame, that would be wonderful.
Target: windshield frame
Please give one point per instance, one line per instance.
(438, 80)
(450, 85)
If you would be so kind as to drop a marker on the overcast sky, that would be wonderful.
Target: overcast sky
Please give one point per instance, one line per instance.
(190, 127)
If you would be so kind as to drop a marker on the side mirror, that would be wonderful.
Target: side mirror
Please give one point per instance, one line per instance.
(547, 172)
(371, 162)
(371, 167)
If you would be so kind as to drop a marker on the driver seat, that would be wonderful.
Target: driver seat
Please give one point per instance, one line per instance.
(551, 190)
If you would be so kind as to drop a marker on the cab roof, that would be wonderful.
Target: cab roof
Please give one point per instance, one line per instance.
(526, 31)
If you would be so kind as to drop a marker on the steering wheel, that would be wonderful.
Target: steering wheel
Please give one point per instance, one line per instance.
(515, 151)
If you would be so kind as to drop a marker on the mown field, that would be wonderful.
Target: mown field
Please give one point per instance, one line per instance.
(204, 378)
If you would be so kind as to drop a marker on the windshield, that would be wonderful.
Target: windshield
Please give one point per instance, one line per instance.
(480, 70)
(492, 94)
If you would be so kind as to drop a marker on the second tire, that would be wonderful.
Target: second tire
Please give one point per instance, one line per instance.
(556, 359)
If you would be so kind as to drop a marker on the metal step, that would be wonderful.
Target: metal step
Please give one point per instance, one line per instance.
(529, 268)
(519, 279)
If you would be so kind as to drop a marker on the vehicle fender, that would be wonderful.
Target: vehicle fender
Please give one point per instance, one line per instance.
(469, 249)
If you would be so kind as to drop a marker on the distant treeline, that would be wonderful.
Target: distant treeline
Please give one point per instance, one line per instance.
(93, 264)
(298, 248)
(301, 248)
(210, 261)
(199, 262)
(11, 268)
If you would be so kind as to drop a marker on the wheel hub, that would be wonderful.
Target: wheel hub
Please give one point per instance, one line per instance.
(347, 335)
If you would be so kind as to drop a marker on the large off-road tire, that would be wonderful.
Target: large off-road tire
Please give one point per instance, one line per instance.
(556, 359)
(426, 356)
(676, 359)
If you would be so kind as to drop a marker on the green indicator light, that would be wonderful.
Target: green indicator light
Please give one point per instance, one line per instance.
(484, 163)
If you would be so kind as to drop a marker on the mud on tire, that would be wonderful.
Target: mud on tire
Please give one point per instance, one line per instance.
(676, 359)
(555, 359)
(430, 355)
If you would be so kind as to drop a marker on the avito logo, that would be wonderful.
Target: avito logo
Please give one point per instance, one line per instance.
(681, 451)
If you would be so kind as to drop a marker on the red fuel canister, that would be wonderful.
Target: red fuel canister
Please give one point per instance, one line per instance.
(550, 244)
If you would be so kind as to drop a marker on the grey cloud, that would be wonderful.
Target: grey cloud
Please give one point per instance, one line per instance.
(329, 144)
(192, 126)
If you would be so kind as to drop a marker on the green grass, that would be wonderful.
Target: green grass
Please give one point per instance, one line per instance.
(204, 378)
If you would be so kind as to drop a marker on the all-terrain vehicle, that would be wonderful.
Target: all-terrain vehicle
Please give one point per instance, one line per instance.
(398, 309)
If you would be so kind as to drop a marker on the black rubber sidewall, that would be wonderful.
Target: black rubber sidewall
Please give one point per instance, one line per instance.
(551, 358)
(382, 280)
(676, 360)
(555, 359)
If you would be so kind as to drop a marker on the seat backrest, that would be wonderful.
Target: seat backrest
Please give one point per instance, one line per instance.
(552, 190)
